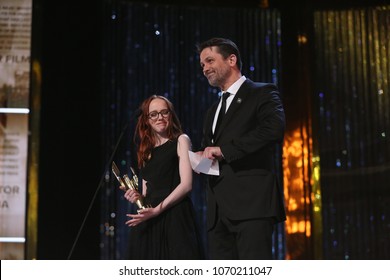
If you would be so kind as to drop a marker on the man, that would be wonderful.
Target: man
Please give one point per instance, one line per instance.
(244, 201)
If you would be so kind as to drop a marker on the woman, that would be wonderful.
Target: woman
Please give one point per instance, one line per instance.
(166, 230)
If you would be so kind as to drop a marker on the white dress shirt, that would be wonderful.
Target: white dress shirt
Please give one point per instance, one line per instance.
(232, 90)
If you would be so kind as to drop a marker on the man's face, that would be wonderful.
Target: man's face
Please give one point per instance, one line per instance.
(214, 67)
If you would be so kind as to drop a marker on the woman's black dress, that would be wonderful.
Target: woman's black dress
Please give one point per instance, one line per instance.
(174, 233)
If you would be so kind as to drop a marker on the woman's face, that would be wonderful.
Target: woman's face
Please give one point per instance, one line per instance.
(159, 116)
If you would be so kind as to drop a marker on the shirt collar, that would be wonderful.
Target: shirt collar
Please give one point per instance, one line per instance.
(237, 84)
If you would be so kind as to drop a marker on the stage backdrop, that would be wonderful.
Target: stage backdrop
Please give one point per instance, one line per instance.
(335, 160)
(15, 28)
(353, 117)
(151, 49)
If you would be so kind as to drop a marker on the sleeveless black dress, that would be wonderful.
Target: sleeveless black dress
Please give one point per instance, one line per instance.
(174, 233)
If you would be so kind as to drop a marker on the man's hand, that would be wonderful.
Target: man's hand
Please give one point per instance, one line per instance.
(213, 153)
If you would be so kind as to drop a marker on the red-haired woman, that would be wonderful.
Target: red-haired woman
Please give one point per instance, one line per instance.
(166, 230)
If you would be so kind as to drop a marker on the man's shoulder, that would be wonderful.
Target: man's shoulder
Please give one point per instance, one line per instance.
(259, 86)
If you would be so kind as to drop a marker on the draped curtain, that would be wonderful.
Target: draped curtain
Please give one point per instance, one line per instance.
(353, 113)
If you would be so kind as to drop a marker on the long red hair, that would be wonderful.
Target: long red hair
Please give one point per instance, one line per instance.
(145, 137)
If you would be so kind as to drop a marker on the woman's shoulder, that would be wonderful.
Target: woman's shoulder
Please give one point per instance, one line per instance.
(184, 139)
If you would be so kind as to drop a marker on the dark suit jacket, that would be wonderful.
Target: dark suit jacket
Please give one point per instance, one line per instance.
(247, 187)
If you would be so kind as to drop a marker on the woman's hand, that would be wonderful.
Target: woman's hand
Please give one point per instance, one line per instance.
(132, 195)
(143, 215)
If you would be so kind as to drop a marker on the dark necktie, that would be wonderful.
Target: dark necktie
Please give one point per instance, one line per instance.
(221, 112)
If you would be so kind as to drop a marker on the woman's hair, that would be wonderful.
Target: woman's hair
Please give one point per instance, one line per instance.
(145, 137)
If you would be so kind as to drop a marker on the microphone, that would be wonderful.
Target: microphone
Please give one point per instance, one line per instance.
(135, 115)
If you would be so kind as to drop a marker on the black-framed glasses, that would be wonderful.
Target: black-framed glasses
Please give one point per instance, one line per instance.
(154, 114)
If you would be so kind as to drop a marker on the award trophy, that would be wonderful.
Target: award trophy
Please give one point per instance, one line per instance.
(127, 183)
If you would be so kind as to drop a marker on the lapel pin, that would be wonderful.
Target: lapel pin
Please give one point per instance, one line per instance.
(239, 100)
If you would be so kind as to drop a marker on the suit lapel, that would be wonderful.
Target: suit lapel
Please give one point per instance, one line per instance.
(209, 123)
